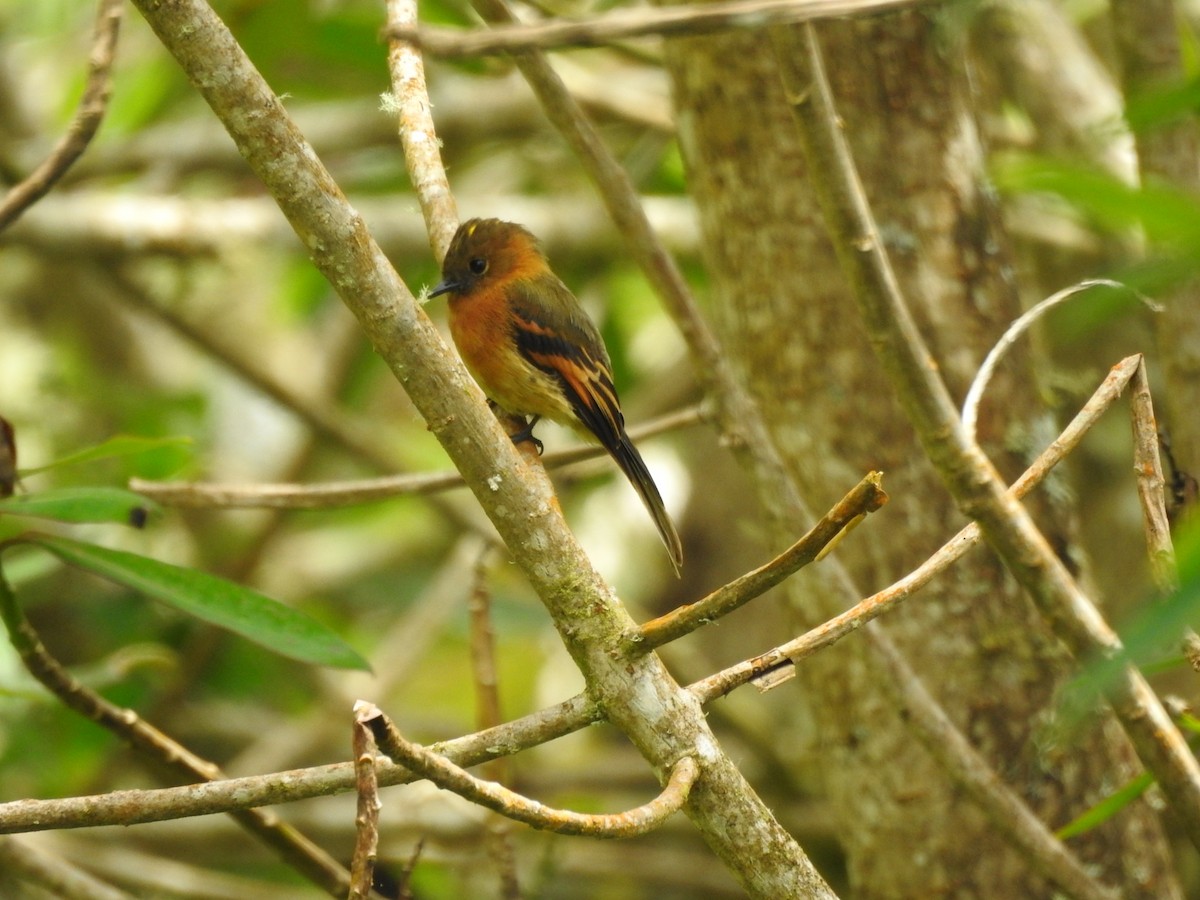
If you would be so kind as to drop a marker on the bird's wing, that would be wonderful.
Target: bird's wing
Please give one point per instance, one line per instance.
(554, 334)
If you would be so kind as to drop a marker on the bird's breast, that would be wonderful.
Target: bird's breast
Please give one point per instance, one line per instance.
(483, 333)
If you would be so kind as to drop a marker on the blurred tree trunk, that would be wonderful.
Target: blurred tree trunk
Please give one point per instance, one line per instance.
(781, 308)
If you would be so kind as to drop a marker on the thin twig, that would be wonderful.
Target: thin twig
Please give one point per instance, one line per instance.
(366, 823)
(418, 137)
(488, 715)
(152, 745)
(445, 774)
(970, 408)
(136, 807)
(106, 222)
(404, 888)
(351, 436)
(84, 125)
(1150, 482)
(623, 24)
(56, 875)
(201, 495)
(866, 497)
(872, 607)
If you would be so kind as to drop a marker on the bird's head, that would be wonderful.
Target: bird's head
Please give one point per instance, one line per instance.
(488, 251)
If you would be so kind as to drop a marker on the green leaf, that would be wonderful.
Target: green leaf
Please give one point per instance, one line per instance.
(86, 504)
(121, 445)
(1170, 217)
(1163, 104)
(1106, 808)
(248, 613)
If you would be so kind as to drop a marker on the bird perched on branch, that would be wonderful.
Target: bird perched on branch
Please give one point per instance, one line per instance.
(529, 344)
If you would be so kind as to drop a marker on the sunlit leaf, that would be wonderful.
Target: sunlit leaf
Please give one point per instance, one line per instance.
(1106, 808)
(82, 504)
(1189, 722)
(241, 610)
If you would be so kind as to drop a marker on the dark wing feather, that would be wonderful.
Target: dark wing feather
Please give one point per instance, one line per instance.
(559, 339)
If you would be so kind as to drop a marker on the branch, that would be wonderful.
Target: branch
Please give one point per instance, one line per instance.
(964, 469)
(84, 125)
(102, 222)
(154, 746)
(721, 683)
(663, 22)
(410, 98)
(482, 641)
(631, 823)
(136, 807)
(1150, 482)
(866, 497)
(201, 495)
(1009, 813)
(497, 834)
(342, 431)
(366, 823)
(970, 408)
(60, 878)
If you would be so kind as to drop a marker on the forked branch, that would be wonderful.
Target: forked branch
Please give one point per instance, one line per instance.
(445, 774)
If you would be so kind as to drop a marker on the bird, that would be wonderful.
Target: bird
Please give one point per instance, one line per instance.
(529, 344)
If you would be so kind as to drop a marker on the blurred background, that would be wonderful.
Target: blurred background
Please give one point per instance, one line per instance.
(159, 292)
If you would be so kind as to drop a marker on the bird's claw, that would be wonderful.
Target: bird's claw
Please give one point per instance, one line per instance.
(526, 434)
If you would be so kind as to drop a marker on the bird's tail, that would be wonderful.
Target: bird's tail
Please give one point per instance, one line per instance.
(635, 470)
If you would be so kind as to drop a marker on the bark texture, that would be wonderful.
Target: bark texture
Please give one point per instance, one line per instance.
(780, 306)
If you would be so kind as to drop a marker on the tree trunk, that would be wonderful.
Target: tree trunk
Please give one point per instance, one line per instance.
(781, 308)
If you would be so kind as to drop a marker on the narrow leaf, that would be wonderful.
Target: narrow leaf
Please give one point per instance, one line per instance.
(241, 610)
(121, 445)
(85, 504)
(1107, 808)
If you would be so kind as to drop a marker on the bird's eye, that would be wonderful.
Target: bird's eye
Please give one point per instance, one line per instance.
(478, 265)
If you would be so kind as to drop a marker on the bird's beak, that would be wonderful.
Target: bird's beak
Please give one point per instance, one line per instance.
(444, 286)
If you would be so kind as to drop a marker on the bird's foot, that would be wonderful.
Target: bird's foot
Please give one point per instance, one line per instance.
(526, 434)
